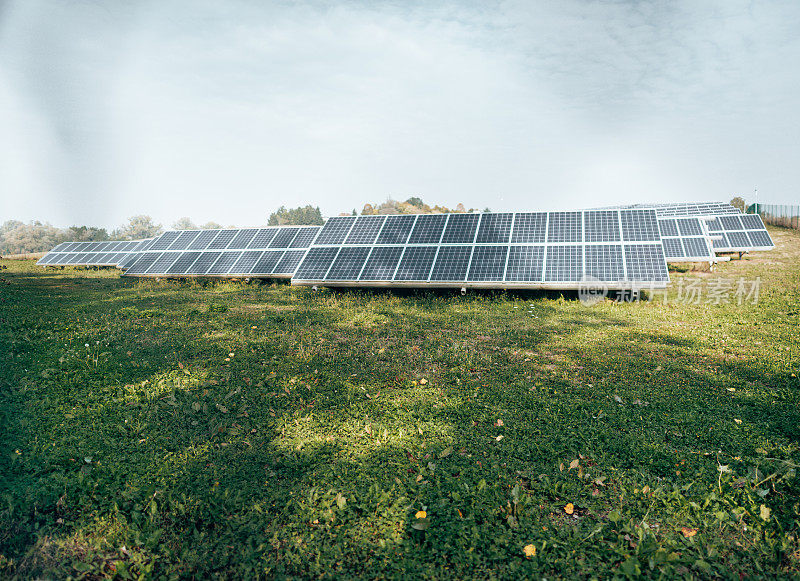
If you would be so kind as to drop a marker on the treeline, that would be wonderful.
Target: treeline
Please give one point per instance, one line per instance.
(19, 237)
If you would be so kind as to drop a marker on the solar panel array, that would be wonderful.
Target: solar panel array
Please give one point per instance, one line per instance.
(249, 252)
(92, 253)
(621, 248)
(729, 229)
(739, 233)
(685, 239)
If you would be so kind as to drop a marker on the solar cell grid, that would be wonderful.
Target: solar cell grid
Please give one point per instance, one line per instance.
(563, 263)
(203, 240)
(696, 247)
(183, 262)
(668, 227)
(225, 262)
(460, 229)
(316, 264)
(416, 263)
(759, 238)
(144, 262)
(689, 227)
(529, 228)
(645, 263)
(494, 228)
(163, 241)
(348, 263)
(564, 227)
(289, 261)
(396, 229)
(284, 237)
(525, 264)
(738, 239)
(182, 242)
(365, 230)
(246, 262)
(243, 238)
(601, 226)
(731, 222)
(304, 237)
(604, 262)
(267, 262)
(672, 247)
(488, 263)
(335, 230)
(451, 263)
(381, 263)
(263, 238)
(222, 240)
(203, 263)
(162, 263)
(428, 229)
(752, 222)
(639, 226)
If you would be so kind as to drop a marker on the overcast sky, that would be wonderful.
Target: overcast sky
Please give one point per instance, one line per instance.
(226, 110)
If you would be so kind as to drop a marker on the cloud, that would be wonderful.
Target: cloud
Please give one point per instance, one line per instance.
(225, 111)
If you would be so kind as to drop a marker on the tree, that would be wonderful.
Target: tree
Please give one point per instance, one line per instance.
(85, 234)
(184, 224)
(18, 238)
(305, 215)
(415, 201)
(210, 226)
(738, 203)
(138, 227)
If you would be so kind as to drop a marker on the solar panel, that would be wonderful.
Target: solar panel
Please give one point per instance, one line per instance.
(494, 228)
(144, 262)
(604, 262)
(428, 229)
(202, 264)
(163, 241)
(263, 238)
(305, 237)
(348, 263)
(284, 238)
(382, 263)
(451, 263)
(222, 240)
(182, 263)
(416, 263)
(243, 238)
(267, 262)
(224, 262)
(525, 264)
(529, 228)
(365, 230)
(689, 227)
(288, 263)
(203, 240)
(565, 227)
(396, 229)
(554, 250)
(685, 240)
(601, 226)
(739, 233)
(564, 263)
(335, 230)
(246, 262)
(460, 229)
(163, 262)
(488, 263)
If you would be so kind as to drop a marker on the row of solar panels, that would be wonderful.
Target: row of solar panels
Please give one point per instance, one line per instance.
(506, 249)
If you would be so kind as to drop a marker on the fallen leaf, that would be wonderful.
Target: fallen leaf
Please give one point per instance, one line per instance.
(765, 512)
(499, 423)
(423, 381)
(569, 509)
(421, 514)
(737, 420)
(574, 464)
(498, 438)
(687, 532)
(617, 398)
(530, 551)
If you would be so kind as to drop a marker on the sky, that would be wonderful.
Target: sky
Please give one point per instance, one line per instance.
(226, 110)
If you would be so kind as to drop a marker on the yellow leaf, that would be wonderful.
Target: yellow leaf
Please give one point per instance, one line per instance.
(737, 420)
(574, 464)
(569, 509)
(423, 381)
(421, 514)
(530, 551)
(561, 467)
(765, 512)
(687, 532)
(498, 438)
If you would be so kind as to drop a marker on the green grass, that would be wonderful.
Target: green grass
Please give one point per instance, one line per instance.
(308, 452)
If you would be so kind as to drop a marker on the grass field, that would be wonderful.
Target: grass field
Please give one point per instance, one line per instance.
(173, 429)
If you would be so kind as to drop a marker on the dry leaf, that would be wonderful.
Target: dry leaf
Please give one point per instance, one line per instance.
(499, 423)
(498, 438)
(421, 514)
(574, 464)
(530, 551)
(687, 532)
(569, 509)
(737, 420)
(765, 512)
(423, 381)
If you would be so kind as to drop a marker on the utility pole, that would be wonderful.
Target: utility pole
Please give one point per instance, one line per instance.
(758, 208)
